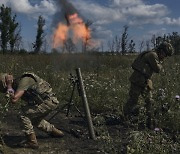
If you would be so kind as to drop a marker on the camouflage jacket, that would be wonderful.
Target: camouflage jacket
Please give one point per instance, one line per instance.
(144, 66)
(39, 91)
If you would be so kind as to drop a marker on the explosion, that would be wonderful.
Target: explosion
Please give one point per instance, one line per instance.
(80, 31)
(60, 35)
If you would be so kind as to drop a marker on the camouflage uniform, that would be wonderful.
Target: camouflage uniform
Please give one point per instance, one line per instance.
(40, 102)
(144, 66)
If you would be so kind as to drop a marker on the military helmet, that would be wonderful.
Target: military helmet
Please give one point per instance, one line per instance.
(167, 48)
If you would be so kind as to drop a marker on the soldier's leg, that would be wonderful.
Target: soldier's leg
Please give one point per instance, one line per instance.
(31, 141)
(33, 115)
(43, 110)
(149, 110)
(49, 128)
(27, 125)
(131, 107)
(29, 115)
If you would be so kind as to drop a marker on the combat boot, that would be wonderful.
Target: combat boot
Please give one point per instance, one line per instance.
(31, 142)
(56, 133)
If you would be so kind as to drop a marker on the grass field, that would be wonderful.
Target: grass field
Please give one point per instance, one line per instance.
(106, 83)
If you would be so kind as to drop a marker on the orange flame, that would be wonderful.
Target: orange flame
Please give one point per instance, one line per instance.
(78, 27)
(60, 35)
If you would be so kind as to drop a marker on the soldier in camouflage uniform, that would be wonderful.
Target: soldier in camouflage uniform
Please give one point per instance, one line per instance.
(144, 66)
(40, 102)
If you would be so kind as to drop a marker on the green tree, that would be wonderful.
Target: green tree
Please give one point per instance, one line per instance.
(5, 18)
(14, 35)
(40, 35)
(175, 41)
(131, 48)
(9, 29)
(124, 40)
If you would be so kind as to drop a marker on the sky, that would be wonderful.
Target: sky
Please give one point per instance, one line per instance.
(143, 17)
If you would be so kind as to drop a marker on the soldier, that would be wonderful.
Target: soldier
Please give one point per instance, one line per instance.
(40, 102)
(144, 66)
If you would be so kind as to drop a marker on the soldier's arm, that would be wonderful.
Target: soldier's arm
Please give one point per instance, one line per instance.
(18, 94)
(155, 63)
(23, 85)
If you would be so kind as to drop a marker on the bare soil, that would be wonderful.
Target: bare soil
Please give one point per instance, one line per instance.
(110, 137)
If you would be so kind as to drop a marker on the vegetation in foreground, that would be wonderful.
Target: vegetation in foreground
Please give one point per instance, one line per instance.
(106, 80)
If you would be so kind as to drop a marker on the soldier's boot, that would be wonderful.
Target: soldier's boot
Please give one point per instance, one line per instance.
(30, 142)
(56, 132)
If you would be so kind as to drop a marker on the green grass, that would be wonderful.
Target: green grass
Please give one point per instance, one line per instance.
(106, 79)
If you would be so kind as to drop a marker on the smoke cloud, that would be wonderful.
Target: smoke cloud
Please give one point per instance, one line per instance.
(64, 9)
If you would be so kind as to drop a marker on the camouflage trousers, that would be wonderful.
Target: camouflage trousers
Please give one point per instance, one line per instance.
(33, 115)
(131, 108)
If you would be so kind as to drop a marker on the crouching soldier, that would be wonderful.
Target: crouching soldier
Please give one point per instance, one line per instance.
(40, 102)
(144, 66)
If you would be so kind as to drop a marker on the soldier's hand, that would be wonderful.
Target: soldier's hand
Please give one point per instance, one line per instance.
(10, 91)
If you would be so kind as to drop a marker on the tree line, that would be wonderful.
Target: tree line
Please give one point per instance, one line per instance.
(122, 44)
(10, 32)
(11, 40)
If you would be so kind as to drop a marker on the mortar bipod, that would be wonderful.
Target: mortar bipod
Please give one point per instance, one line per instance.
(75, 85)
(78, 82)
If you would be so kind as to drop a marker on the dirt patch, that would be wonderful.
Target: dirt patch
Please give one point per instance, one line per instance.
(109, 138)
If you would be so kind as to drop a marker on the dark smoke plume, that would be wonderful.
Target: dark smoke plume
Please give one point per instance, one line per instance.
(65, 9)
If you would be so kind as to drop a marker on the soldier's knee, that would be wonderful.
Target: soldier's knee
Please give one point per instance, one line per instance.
(45, 126)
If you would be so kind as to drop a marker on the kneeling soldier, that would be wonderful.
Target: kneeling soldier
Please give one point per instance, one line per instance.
(40, 102)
